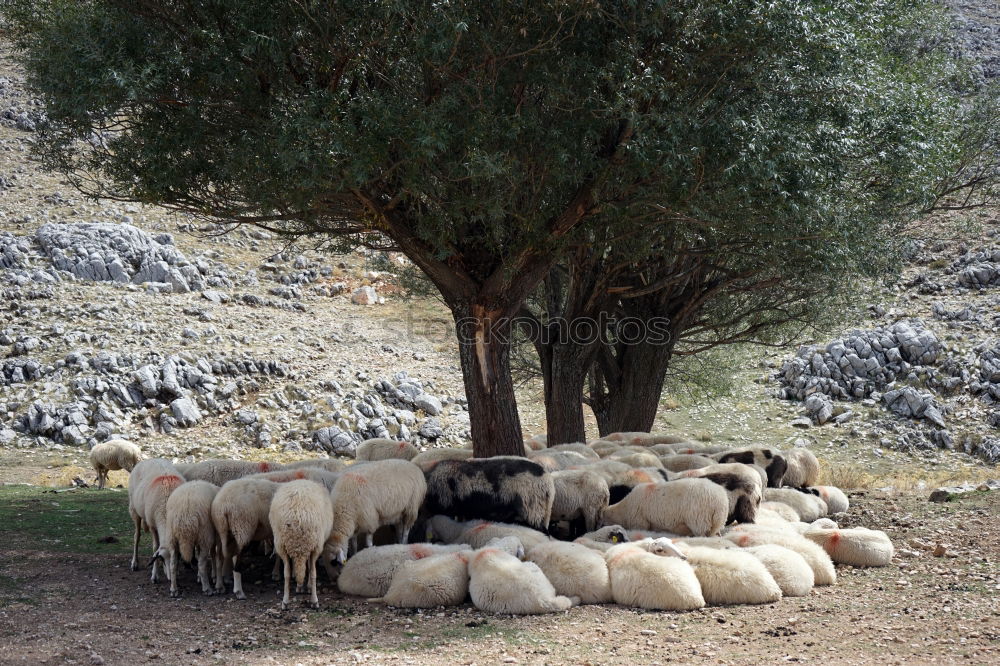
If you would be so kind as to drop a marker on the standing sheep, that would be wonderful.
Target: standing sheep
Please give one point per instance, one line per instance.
(504, 489)
(642, 579)
(580, 495)
(574, 570)
(301, 516)
(772, 461)
(327, 464)
(369, 572)
(111, 455)
(742, 484)
(384, 449)
(836, 500)
(683, 462)
(809, 506)
(386, 492)
(428, 460)
(150, 485)
(189, 531)
(320, 476)
(501, 583)
(553, 461)
(240, 513)
(802, 468)
(689, 507)
(218, 471)
(577, 447)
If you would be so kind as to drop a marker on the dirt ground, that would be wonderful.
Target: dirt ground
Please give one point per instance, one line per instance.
(67, 596)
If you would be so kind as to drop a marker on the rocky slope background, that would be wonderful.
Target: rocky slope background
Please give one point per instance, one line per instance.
(119, 320)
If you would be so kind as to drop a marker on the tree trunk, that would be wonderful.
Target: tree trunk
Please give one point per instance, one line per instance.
(484, 339)
(632, 404)
(564, 379)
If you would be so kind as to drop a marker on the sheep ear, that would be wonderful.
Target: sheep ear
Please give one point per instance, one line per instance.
(614, 538)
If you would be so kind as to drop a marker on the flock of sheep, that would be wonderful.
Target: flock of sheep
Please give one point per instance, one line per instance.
(643, 520)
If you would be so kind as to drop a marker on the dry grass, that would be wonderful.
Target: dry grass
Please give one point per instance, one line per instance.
(903, 478)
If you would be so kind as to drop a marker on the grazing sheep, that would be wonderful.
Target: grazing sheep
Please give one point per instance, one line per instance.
(501, 583)
(574, 570)
(477, 533)
(369, 572)
(818, 560)
(427, 460)
(327, 464)
(808, 506)
(642, 579)
(384, 449)
(576, 447)
(742, 484)
(580, 495)
(386, 492)
(858, 547)
(189, 531)
(536, 442)
(217, 471)
(623, 483)
(320, 476)
(780, 509)
(682, 462)
(113, 454)
(731, 576)
(802, 468)
(240, 513)
(301, 516)
(772, 461)
(690, 507)
(556, 460)
(503, 489)
(789, 569)
(438, 580)
(835, 498)
(150, 485)
(602, 448)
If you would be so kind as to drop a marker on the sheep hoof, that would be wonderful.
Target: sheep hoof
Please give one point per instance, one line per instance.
(175, 594)
(241, 596)
(208, 593)
(284, 606)
(275, 577)
(134, 566)
(314, 605)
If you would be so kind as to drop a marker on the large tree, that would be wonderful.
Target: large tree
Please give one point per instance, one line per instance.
(477, 137)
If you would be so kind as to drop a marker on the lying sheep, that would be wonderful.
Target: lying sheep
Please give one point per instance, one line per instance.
(602, 448)
(386, 492)
(240, 514)
(788, 568)
(577, 447)
(782, 510)
(682, 462)
(384, 449)
(818, 560)
(772, 461)
(150, 485)
(501, 583)
(731, 576)
(536, 442)
(556, 460)
(111, 455)
(438, 580)
(190, 532)
(742, 484)
(603, 538)
(809, 507)
(327, 464)
(858, 547)
(315, 474)
(369, 572)
(644, 579)
(580, 495)
(478, 533)
(689, 507)
(574, 570)
(503, 489)
(301, 516)
(427, 460)
(802, 468)
(835, 498)
(624, 483)
(219, 471)
(642, 459)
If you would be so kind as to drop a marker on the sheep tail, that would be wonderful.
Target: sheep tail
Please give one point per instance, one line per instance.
(186, 549)
(299, 570)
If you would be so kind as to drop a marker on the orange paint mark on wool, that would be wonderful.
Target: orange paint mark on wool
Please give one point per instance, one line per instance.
(357, 478)
(832, 543)
(264, 467)
(484, 552)
(480, 528)
(402, 445)
(462, 557)
(300, 474)
(420, 552)
(642, 477)
(626, 552)
(824, 493)
(167, 481)
(744, 541)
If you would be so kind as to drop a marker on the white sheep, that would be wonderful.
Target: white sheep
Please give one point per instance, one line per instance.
(369, 572)
(859, 547)
(778, 509)
(604, 538)
(574, 570)
(580, 495)
(577, 447)
(426, 460)
(642, 579)
(240, 515)
(190, 532)
(835, 498)
(802, 468)
(741, 482)
(477, 533)
(639, 459)
(536, 442)
(689, 507)
(602, 448)
(315, 474)
(219, 470)
(150, 485)
(788, 568)
(111, 455)
(818, 560)
(328, 464)
(438, 580)
(380, 448)
(386, 492)
(301, 516)
(683, 462)
(553, 461)
(730, 576)
(807, 505)
(501, 583)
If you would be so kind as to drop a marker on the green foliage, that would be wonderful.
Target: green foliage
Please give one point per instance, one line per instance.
(39, 519)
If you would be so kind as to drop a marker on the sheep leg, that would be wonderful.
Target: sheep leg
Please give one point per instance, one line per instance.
(155, 576)
(237, 578)
(352, 545)
(135, 542)
(173, 573)
(369, 540)
(288, 582)
(327, 567)
(313, 597)
(204, 561)
(402, 532)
